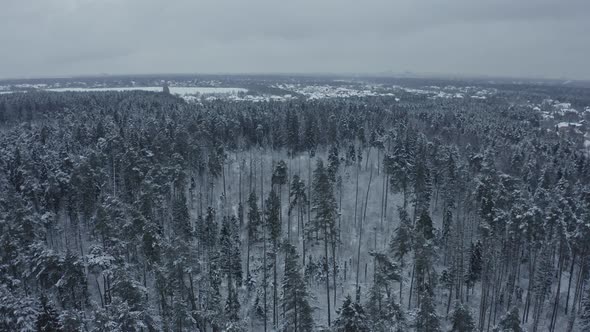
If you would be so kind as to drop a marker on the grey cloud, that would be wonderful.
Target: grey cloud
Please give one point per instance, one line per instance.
(540, 38)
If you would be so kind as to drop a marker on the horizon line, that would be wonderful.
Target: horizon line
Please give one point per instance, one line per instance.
(383, 74)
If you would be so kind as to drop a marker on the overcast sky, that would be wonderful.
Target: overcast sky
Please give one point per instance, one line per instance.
(517, 38)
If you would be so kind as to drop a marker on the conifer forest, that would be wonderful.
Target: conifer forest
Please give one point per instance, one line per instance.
(293, 203)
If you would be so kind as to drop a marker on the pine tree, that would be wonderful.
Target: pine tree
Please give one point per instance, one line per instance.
(585, 313)
(279, 175)
(422, 184)
(119, 316)
(401, 242)
(427, 319)
(180, 249)
(333, 163)
(395, 316)
(386, 272)
(214, 306)
(399, 165)
(292, 132)
(272, 214)
(181, 218)
(208, 231)
(542, 284)
(462, 320)
(351, 318)
(310, 135)
(475, 264)
(230, 251)
(273, 220)
(236, 250)
(383, 312)
(424, 226)
(280, 178)
(297, 311)
(72, 289)
(151, 235)
(48, 319)
(351, 155)
(253, 227)
(232, 305)
(510, 322)
(325, 208)
(299, 202)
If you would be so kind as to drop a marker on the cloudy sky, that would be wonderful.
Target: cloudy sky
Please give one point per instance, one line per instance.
(516, 38)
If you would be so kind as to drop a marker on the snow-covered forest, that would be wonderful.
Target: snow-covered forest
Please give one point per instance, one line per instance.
(402, 211)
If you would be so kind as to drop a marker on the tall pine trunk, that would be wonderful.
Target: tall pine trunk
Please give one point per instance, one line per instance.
(358, 257)
(327, 269)
(569, 284)
(557, 293)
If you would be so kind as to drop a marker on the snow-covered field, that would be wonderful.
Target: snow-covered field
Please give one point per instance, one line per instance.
(182, 91)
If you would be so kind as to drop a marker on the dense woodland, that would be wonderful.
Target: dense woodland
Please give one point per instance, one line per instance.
(138, 211)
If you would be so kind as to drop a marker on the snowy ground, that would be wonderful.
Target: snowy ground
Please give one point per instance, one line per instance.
(377, 230)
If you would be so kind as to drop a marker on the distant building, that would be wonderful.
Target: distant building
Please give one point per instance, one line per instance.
(571, 127)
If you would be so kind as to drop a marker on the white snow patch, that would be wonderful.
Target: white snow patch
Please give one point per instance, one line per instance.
(569, 124)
